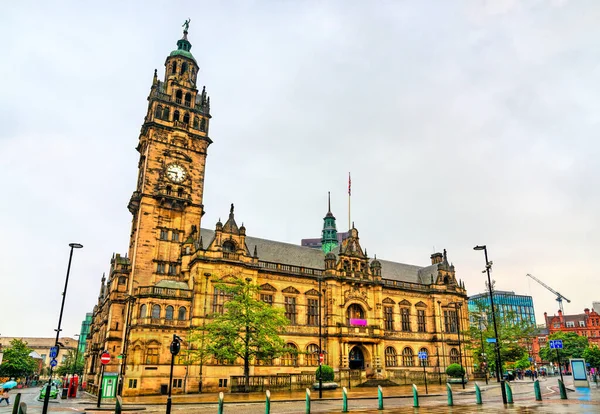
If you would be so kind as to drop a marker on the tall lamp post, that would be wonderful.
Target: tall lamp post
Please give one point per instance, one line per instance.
(76, 354)
(458, 306)
(439, 302)
(483, 355)
(62, 307)
(499, 377)
(174, 348)
(130, 302)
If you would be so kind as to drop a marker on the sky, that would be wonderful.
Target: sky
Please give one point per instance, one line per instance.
(462, 123)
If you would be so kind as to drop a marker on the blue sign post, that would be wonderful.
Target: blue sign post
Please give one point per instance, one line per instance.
(491, 340)
(423, 358)
(53, 362)
(54, 352)
(557, 344)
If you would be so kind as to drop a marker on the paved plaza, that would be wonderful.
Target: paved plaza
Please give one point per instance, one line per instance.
(360, 400)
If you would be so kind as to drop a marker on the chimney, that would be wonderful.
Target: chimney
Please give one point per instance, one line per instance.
(560, 315)
(587, 311)
(436, 258)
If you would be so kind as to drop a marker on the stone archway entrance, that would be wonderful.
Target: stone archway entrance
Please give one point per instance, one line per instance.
(356, 358)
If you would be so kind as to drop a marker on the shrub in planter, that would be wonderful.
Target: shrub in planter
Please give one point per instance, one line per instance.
(326, 373)
(455, 371)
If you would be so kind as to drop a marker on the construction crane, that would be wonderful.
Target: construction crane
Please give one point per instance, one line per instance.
(559, 297)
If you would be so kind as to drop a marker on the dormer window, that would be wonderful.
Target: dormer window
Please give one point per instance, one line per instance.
(229, 247)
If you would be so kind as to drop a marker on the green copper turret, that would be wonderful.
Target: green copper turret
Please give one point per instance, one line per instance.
(329, 240)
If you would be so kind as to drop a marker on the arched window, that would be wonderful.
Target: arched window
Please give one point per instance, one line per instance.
(291, 358)
(229, 247)
(174, 68)
(188, 99)
(355, 312)
(143, 311)
(165, 115)
(186, 118)
(176, 116)
(408, 357)
(184, 67)
(155, 311)
(158, 112)
(426, 360)
(312, 355)
(169, 313)
(168, 190)
(391, 359)
(182, 315)
(180, 192)
(178, 96)
(196, 123)
(454, 356)
(203, 125)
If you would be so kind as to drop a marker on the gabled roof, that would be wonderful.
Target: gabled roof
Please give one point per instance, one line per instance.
(292, 254)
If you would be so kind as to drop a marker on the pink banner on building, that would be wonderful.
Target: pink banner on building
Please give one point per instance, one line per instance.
(358, 322)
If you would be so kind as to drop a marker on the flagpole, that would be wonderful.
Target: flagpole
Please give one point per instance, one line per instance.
(349, 194)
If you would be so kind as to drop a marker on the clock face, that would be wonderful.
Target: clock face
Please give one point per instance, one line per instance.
(176, 173)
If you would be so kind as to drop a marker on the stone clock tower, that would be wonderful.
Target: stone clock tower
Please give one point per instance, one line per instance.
(167, 202)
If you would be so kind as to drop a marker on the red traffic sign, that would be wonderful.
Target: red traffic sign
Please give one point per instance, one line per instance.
(321, 358)
(105, 358)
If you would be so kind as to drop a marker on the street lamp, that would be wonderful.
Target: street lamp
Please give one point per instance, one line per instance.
(130, 301)
(321, 356)
(500, 379)
(62, 307)
(442, 334)
(174, 348)
(462, 369)
(483, 355)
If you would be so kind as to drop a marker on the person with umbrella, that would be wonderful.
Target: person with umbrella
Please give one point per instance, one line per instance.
(5, 396)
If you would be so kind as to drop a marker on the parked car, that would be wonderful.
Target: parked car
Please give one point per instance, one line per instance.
(53, 392)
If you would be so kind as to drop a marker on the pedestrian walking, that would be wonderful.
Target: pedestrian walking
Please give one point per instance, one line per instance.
(5, 396)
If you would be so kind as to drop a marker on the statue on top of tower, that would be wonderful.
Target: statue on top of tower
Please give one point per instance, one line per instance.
(186, 25)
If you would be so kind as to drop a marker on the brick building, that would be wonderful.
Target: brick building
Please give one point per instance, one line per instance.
(584, 324)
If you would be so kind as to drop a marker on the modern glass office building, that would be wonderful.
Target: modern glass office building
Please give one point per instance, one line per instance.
(509, 305)
(85, 330)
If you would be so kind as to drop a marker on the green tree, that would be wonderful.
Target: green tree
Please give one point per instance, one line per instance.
(248, 328)
(592, 355)
(70, 366)
(16, 362)
(524, 362)
(573, 347)
(455, 370)
(513, 336)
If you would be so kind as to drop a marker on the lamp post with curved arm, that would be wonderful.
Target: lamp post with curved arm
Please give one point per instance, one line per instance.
(488, 266)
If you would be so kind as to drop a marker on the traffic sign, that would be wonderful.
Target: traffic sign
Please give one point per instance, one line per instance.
(105, 358)
(422, 355)
(491, 340)
(321, 358)
(556, 344)
(54, 352)
(53, 362)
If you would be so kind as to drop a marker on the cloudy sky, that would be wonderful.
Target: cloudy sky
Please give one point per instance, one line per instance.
(462, 123)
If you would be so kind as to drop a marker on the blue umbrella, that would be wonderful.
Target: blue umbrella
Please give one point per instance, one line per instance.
(9, 385)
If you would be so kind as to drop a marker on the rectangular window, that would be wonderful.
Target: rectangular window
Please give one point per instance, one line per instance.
(312, 312)
(172, 269)
(556, 325)
(152, 356)
(582, 324)
(405, 315)
(164, 234)
(175, 236)
(570, 324)
(290, 309)
(421, 320)
(160, 268)
(177, 383)
(388, 316)
(223, 383)
(267, 298)
(450, 321)
(219, 299)
(133, 383)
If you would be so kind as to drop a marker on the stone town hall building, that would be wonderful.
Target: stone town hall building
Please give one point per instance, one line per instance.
(377, 315)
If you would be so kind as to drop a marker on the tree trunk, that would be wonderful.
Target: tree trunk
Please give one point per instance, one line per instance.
(246, 372)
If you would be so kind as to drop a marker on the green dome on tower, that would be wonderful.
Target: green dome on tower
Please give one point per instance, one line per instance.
(184, 45)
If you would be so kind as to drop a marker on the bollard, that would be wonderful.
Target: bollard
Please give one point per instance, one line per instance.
(380, 397)
(22, 408)
(563, 390)
(344, 400)
(118, 405)
(478, 395)
(509, 396)
(450, 399)
(307, 407)
(537, 390)
(16, 402)
(268, 402)
(415, 397)
(221, 396)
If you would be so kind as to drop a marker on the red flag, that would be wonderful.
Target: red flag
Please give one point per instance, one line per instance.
(349, 185)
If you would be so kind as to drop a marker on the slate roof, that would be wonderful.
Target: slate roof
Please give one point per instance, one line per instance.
(292, 254)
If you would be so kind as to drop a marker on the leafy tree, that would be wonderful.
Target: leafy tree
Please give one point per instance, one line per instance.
(16, 362)
(70, 366)
(326, 373)
(573, 347)
(592, 355)
(455, 370)
(524, 362)
(248, 328)
(513, 337)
